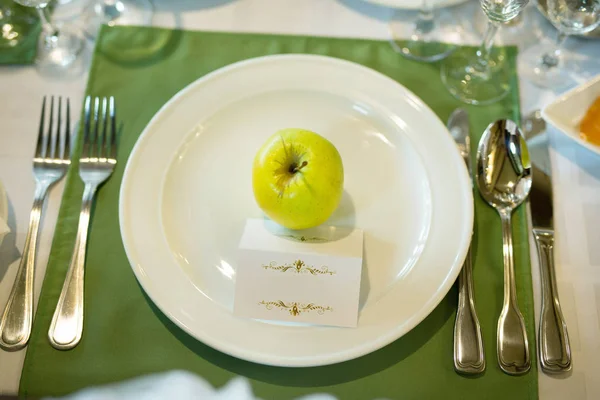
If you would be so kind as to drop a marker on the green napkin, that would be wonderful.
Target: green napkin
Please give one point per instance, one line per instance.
(23, 23)
(125, 335)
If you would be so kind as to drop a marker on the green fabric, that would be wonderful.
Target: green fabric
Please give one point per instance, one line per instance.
(27, 25)
(125, 335)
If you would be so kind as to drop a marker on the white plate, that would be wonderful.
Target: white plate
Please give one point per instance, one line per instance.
(415, 4)
(566, 112)
(187, 192)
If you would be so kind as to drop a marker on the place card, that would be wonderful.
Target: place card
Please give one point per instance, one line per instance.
(310, 276)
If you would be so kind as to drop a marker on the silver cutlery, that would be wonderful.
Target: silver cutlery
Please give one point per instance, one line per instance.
(97, 162)
(554, 347)
(533, 124)
(504, 179)
(469, 357)
(50, 163)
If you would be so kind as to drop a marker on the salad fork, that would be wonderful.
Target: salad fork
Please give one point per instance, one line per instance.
(97, 163)
(50, 163)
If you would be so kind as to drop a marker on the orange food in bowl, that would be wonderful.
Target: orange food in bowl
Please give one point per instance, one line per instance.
(589, 128)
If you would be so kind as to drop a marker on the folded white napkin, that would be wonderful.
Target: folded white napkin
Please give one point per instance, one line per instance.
(180, 385)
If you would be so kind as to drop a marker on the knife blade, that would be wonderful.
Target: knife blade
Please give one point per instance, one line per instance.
(469, 357)
(541, 189)
(540, 199)
(554, 347)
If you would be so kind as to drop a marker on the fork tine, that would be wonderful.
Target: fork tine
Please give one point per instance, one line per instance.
(85, 151)
(49, 149)
(56, 138)
(94, 135)
(113, 129)
(39, 149)
(67, 145)
(103, 140)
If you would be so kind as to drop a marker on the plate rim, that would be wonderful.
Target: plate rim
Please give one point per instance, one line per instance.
(391, 334)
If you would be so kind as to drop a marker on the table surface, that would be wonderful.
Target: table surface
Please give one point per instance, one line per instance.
(576, 172)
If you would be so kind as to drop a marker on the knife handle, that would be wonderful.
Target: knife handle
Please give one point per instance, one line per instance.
(554, 347)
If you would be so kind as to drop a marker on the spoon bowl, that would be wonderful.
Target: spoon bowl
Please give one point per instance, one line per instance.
(503, 165)
(503, 176)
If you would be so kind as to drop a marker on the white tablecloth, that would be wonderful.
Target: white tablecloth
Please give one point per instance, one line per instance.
(576, 171)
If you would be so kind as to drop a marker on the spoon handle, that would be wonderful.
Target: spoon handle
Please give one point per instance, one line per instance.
(554, 347)
(513, 346)
(469, 356)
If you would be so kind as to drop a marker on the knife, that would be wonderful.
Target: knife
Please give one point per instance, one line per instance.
(469, 357)
(554, 347)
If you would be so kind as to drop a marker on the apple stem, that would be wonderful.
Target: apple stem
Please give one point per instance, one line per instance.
(296, 169)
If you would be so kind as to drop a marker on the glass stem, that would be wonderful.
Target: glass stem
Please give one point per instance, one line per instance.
(551, 59)
(488, 41)
(484, 51)
(425, 22)
(50, 30)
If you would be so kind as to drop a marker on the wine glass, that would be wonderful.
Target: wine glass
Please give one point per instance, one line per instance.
(429, 36)
(56, 47)
(523, 30)
(480, 76)
(541, 64)
(116, 12)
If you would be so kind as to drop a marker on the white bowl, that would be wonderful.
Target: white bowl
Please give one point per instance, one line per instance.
(566, 112)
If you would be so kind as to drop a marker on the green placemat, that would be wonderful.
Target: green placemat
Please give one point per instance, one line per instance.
(20, 30)
(125, 335)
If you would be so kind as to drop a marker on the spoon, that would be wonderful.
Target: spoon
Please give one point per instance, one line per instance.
(503, 176)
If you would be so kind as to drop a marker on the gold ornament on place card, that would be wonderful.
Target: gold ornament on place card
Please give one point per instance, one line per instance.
(302, 238)
(298, 267)
(294, 308)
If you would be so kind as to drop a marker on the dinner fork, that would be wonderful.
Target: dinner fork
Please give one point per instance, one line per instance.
(97, 163)
(50, 163)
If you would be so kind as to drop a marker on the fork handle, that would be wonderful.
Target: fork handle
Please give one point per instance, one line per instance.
(554, 346)
(67, 323)
(469, 357)
(15, 326)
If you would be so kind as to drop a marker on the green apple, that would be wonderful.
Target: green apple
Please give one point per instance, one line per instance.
(298, 178)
